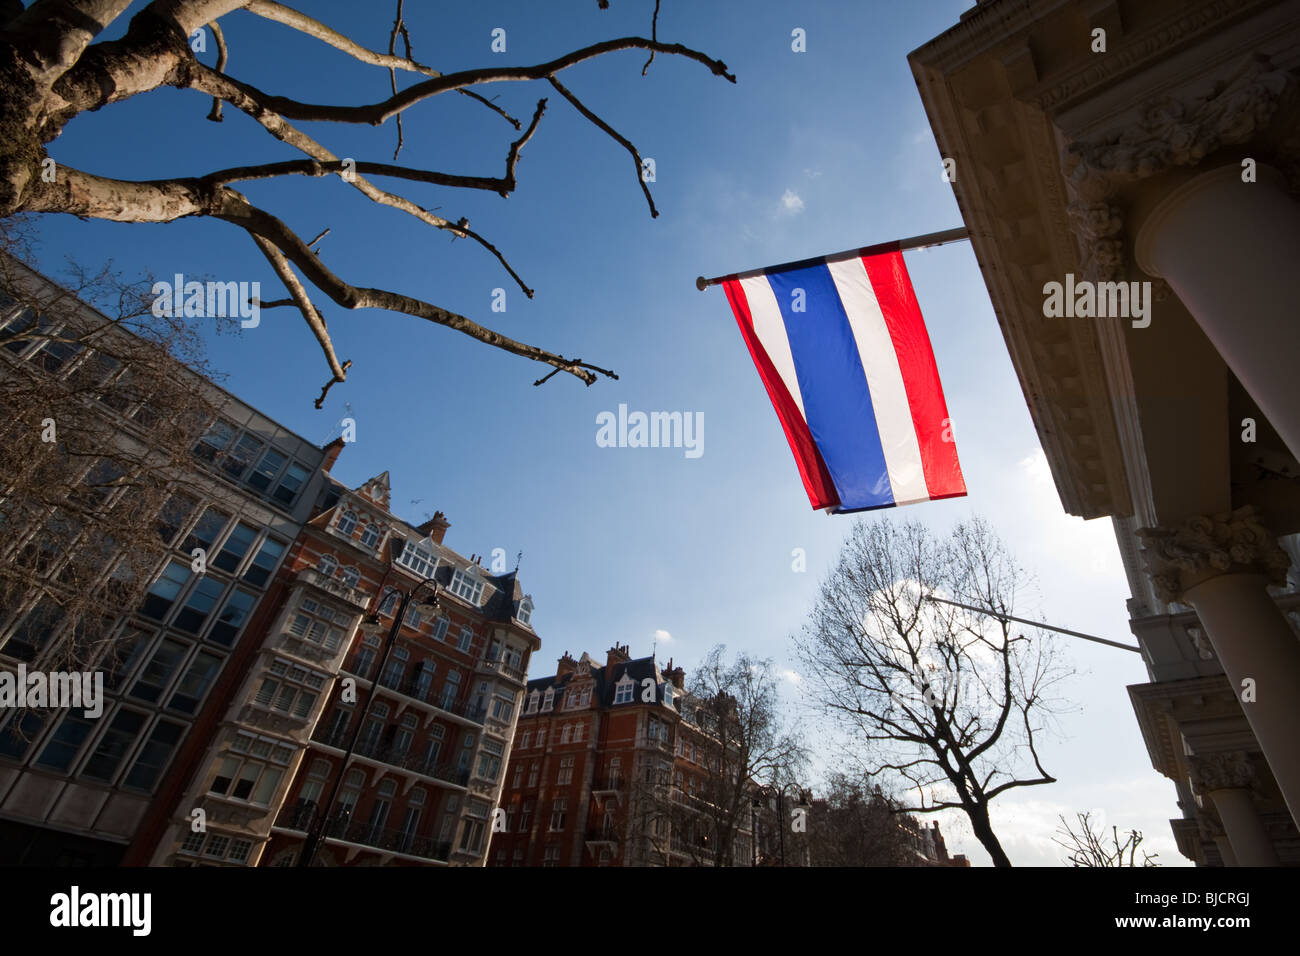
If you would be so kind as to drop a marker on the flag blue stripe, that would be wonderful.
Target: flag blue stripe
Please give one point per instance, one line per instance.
(836, 399)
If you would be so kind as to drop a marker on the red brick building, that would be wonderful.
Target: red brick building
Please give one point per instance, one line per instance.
(606, 763)
(427, 768)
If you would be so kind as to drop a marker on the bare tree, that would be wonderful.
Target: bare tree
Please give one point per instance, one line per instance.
(98, 418)
(1088, 846)
(743, 742)
(948, 701)
(855, 824)
(53, 68)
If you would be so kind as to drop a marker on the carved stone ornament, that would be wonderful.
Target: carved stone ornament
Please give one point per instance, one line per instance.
(1222, 770)
(1207, 545)
(1169, 133)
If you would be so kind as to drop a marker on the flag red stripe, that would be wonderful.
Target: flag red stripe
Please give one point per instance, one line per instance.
(893, 288)
(812, 469)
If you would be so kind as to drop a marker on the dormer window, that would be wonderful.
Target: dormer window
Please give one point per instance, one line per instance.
(525, 613)
(548, 700)
(668, 695)
(420, 560)
(347, 523)
(532, 702)
(467, 586)
(370, 535)
(623, 690)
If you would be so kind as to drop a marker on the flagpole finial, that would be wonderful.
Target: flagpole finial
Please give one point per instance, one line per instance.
(701, 283)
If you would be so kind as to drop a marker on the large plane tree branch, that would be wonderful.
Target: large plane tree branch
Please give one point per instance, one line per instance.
(54, 66)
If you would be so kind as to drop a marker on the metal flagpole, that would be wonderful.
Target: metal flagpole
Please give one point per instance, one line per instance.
(898, 245)
(1046, 627)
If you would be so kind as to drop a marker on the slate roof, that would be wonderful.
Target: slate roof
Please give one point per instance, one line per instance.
(603, 694)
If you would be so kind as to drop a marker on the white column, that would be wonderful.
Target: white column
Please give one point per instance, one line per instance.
(1245, 830)
(1254, 642)
(1225, 849)
(1230, 249)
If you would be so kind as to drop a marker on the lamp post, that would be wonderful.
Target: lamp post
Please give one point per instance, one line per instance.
(317, 833)
(781, 795)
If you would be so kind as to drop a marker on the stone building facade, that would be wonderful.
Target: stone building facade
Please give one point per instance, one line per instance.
(1149, 147)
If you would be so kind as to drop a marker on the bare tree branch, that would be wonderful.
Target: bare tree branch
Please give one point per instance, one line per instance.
(613, 134)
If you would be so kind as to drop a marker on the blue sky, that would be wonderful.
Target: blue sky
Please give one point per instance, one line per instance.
(808, 153)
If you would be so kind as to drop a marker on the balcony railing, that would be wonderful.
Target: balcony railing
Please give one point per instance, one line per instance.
(354, 596)
(301, 817)
(499, 665)
(395, 756)
(607, 783)
(412, 687)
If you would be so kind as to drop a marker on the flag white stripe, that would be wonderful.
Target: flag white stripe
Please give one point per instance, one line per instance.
(769, 326)
(884, 379)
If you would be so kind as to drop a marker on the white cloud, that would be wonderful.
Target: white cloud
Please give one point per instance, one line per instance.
(794, 677)
(791, 204)
(662, 636)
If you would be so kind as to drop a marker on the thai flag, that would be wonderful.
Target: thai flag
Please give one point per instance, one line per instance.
(843, 352)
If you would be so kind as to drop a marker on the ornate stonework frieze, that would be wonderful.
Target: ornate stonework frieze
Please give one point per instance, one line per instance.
(1207, 545)
(1169, 132)
(1222, 770)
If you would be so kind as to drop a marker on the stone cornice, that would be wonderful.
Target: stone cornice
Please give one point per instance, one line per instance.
(1208, 545)
(1136, 50)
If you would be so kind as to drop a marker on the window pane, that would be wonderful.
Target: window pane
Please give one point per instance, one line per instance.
(122, 657)
(260, 568)
(232, 618)
(225, 775)
(236, 546)
(215, 441)
(206, 530)
(162, 593)
(194, 685)
(244, 452)
(158, 672)
(113, 745)
(266, 787)
(175, 512)
(247, 777)
(200, 604)
(65, 742)
(290, 484)
(17, 735)
(266, 470)
(154, 756)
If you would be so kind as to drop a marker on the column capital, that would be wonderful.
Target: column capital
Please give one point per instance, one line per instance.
(1221, 770)
(1205, 546)
(1168, 132)
(1176, 132)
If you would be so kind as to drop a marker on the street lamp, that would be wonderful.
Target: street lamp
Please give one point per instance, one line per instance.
(780, 792)
(317, 833)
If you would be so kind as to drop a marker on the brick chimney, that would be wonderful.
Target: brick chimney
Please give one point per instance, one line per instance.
(618, 654)
(436, 527)
(332, 451)
(675, 674)
(565, 665)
